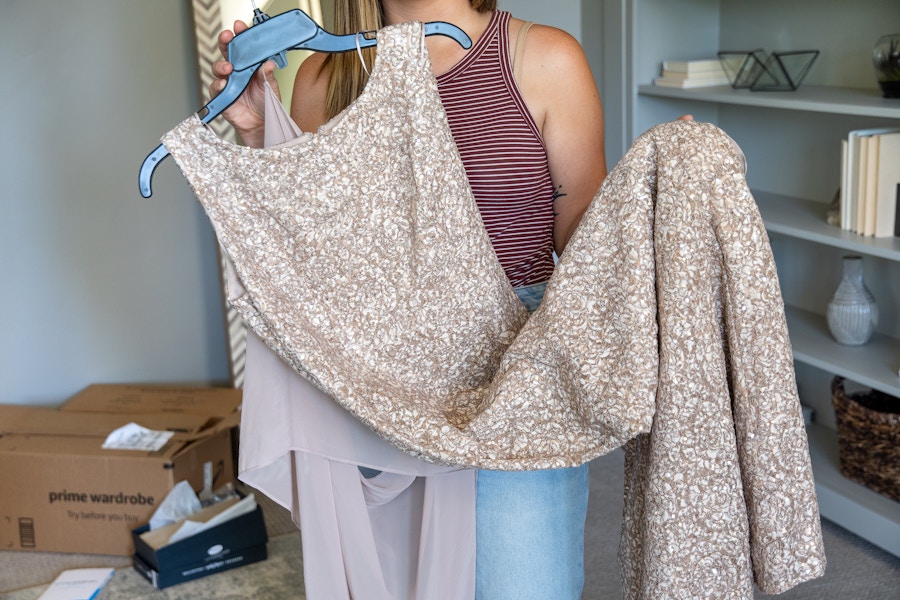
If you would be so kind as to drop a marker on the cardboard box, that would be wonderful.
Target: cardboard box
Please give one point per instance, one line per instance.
(141, 399)
(60, 491)
(240, 541)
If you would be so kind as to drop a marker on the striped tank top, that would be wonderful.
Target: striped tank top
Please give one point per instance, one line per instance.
(503, 154)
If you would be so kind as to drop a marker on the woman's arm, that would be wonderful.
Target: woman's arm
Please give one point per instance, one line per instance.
(560, 92)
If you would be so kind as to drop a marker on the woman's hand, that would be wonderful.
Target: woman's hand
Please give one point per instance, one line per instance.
(247, 112)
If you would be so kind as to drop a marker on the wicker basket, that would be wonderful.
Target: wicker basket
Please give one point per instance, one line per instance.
(868, 425)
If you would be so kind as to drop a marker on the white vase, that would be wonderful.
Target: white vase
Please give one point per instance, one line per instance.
(852, 312)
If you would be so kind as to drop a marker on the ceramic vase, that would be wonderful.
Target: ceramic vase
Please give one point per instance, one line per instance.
(852, 312)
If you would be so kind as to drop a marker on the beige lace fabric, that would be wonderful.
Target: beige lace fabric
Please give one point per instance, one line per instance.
(720, 494)
(367, 270)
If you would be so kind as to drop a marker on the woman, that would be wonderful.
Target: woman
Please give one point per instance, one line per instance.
(532, 145)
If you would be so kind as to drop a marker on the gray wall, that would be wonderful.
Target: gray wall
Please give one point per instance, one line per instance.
(593, 23)
(99, 284)
(565, 14)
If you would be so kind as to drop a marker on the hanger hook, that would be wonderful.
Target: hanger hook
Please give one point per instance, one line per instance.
(359, 50)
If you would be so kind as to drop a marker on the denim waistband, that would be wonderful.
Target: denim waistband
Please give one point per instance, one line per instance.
(531, 295)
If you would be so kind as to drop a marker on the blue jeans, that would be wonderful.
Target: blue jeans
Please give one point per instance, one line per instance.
(529, 534)
(529, 526)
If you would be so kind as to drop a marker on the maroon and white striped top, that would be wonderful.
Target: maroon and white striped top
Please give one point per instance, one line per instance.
(503, 154)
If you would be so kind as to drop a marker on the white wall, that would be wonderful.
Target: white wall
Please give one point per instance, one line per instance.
(99, 284)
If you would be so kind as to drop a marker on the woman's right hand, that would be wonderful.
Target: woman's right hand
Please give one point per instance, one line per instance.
(246, 114)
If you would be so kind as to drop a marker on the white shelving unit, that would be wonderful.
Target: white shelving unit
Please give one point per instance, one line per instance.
(852, 506)
(803, 219)
(792, 143)
(814, 98)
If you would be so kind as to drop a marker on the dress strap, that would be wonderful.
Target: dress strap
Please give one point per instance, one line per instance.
(520, 48)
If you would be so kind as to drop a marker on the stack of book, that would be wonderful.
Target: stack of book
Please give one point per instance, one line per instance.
(870, 182)
(692, 73)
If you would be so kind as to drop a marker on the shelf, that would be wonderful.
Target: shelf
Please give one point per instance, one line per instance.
(854, 507)
(812, 98)
(806, 125)
(805, 219)
(873, 364)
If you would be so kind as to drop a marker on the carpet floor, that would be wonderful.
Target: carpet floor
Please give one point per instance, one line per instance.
(857, 570)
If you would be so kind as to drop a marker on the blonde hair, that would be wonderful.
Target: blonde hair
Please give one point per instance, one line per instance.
(348, 77)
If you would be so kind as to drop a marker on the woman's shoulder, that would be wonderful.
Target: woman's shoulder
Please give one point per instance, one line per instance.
(312, 69)
(554, 43)
(551, 59)
(310, 90)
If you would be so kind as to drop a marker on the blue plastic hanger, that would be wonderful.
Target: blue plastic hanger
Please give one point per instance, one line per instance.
(271, 38)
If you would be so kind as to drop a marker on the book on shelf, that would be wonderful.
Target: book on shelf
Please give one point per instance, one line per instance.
(692, 66)
(870, 174)
(846, 224)
(691, 74)
(862, 186)
(848, 192)
(681, 76)
(897, 216)
(690, 83)
(887, 184)
(871, 183)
